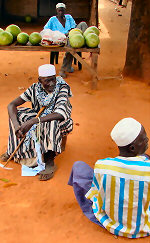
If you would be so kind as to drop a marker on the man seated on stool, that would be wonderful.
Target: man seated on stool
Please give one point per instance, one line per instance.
(64, 23)
(116, 194)
(55, 122)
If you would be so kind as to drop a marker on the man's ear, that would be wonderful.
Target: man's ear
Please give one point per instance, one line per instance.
(132, 148)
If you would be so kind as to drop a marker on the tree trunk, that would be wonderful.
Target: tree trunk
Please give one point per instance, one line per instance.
(137, 63)
(94, 13)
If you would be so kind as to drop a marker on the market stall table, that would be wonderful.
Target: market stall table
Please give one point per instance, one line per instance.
(94, 56)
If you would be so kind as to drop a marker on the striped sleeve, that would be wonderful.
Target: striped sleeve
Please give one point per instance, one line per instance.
(27, 95)
(63, 105)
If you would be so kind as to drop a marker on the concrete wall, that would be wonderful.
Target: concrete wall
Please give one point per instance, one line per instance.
(47, 7)
(79, 9)
(21, 7)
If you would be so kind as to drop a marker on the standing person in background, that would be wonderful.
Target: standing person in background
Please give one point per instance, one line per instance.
(64, 23)
(123, 3)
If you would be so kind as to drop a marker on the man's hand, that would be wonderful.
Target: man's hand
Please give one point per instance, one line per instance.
(19, 134)
(24, 128)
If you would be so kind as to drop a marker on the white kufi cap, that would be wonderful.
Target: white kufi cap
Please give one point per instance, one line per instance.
(126, 131)
(60, 5)
(46, 70)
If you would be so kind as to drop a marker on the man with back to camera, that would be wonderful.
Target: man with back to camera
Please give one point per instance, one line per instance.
(116, 194)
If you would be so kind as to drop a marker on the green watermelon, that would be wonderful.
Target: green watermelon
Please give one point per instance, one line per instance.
(35, 38)
(23, 38)
(92, 40)
(14, 30)
(75, 31)
(28, 19)
(95, 29)
(6, 38)
(87, 31)
(77, 41)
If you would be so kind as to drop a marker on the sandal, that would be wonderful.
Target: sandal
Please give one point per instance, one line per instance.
(4, 157)
(71, 70)
(47, 174)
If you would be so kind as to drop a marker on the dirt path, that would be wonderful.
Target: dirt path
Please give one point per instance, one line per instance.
(37, 212)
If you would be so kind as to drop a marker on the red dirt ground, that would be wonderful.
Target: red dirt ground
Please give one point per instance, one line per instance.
(37, 212)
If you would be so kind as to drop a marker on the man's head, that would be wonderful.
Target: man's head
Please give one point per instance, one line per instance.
(130, 136)
(47, 77)
(60, 9)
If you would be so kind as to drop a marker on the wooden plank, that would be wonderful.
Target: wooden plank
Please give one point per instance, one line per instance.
(14, 44)
(94, 61)
(41, 48)
(94, 74)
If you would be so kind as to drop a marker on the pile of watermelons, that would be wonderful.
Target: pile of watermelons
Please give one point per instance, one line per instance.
(77, 38)
(13, 33)
(89, 38)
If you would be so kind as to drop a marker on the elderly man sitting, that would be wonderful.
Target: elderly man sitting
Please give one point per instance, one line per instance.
(50, 92)
(116, 195)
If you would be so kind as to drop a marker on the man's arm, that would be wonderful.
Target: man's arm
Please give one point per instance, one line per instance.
(25, 127)
(61, 112)
(50, 117)
(48, 25)
(72, 22)
(12, 111)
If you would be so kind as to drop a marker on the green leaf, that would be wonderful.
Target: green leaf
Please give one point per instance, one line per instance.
(3, 179)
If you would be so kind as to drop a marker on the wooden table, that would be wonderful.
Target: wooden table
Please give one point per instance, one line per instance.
(91, 68)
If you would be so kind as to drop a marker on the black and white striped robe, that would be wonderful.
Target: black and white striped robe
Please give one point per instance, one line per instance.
(51, 132)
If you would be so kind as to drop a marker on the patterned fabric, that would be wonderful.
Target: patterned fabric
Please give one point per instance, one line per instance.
(51, 132)
(120, 194)
(59, 102)
(54, 24)
(48, 100)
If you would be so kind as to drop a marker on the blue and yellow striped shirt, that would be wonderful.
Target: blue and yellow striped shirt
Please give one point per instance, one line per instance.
(120, 193)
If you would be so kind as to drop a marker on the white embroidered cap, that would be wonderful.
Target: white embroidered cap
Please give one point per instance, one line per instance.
(126, 131)
(46, 70)
(60, 5)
